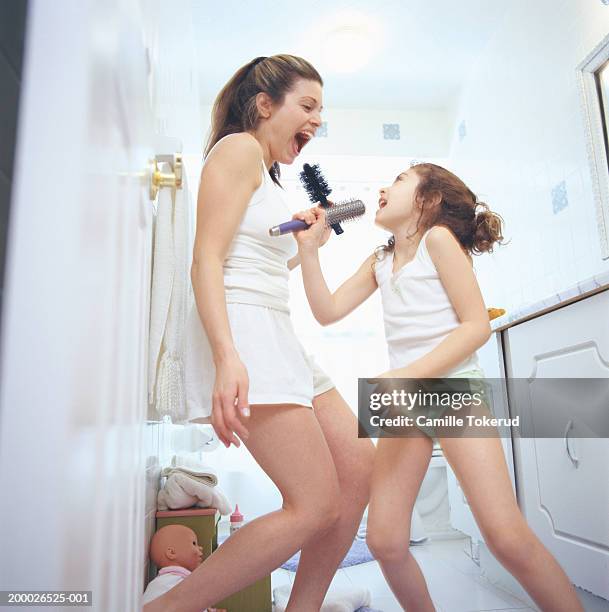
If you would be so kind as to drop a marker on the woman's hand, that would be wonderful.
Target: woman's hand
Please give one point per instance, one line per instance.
(317, 234)
(229, 401)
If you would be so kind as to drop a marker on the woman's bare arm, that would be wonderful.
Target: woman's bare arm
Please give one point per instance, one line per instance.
(230, 175)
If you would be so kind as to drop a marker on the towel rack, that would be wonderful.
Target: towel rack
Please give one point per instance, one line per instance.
(160, 179)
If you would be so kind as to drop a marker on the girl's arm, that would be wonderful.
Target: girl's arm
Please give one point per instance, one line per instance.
(457, 276)
(329, 307)
(230, 175)
(325, 236)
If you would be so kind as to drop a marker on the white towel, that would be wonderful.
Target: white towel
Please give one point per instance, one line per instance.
(170, 299)
(336, 600)
(183, 491)
(194, 464)
(207, 478)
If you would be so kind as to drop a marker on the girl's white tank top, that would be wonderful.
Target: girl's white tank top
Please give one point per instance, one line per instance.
(417, 311)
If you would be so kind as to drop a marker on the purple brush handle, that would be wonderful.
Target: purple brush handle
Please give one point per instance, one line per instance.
(292, 226)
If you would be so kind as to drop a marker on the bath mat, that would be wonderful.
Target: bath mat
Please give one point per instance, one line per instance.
(358, 553)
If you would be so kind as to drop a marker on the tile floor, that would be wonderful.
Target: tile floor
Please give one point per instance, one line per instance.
(454, 580)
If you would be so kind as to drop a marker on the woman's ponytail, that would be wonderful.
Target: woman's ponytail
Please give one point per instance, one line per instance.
(235, 105)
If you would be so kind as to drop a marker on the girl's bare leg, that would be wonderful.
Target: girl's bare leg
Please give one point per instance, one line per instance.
(480, 467)
(288, 444)
(399, 468)
(353, 459)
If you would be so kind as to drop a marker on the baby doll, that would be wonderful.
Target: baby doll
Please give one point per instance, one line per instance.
(175, 550)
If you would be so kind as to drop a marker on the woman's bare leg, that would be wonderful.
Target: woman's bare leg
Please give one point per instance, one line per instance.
(353, 460)
(288, 444)
(480, 467)
(399, 468)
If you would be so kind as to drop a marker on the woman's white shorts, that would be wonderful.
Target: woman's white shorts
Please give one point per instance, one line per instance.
(279, 370)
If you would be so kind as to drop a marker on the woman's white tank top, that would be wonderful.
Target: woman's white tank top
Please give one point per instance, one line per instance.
(256, 266)
(417, 311)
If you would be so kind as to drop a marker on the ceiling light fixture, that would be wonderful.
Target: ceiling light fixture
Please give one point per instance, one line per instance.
(346, 42)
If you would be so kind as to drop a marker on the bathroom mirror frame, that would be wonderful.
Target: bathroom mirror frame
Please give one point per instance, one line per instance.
(595, 128)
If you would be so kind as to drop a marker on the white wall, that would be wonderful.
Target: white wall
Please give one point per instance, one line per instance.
(424, 133)
(524, 137)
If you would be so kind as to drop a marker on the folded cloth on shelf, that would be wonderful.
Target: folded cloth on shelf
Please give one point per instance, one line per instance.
(336, 600)
(184, 491)
(205, 477)
(187, 464)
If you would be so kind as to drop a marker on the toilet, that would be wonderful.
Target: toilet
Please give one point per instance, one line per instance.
(432, 507)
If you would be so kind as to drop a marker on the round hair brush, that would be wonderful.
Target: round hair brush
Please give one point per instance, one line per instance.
(318, 189)
(345, 211)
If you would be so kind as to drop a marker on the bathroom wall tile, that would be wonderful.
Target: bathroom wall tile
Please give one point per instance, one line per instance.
(149, 528)
(151, 475)
(152, 441)
(152, 487)
(560, 200)
(533, 163)
(391, 131)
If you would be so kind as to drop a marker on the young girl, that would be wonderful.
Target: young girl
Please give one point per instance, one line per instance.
(435, 320)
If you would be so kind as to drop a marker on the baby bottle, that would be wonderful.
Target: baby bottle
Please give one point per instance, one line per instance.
(236, 520)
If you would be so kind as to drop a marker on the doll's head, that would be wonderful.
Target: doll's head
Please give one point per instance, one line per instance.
(176, 545)
(426, 195)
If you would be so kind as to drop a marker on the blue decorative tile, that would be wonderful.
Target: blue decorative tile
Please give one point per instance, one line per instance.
(559, 197)
(462, 131)
(391, 131)
(322, 130)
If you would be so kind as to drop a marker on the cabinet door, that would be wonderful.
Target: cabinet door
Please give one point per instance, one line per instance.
(563, 483)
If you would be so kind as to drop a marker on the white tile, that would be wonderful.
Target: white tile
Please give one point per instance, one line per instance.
(514, 601)
(341, 580)
(451, 552)
(152, 488)
(370, 576)
(387, 604)
(458, 592)
(280, 577)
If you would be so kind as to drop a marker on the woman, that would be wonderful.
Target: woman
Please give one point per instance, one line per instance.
(265, 385)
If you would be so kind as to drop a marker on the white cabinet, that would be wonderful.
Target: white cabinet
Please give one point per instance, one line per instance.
(563, 482)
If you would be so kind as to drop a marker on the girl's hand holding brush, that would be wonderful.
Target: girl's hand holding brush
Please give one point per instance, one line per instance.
(315, 236)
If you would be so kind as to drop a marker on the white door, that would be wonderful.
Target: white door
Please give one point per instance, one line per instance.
(74, 337)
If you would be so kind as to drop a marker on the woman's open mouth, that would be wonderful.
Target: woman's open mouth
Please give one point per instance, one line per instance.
(382, 203)
(300, 140)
